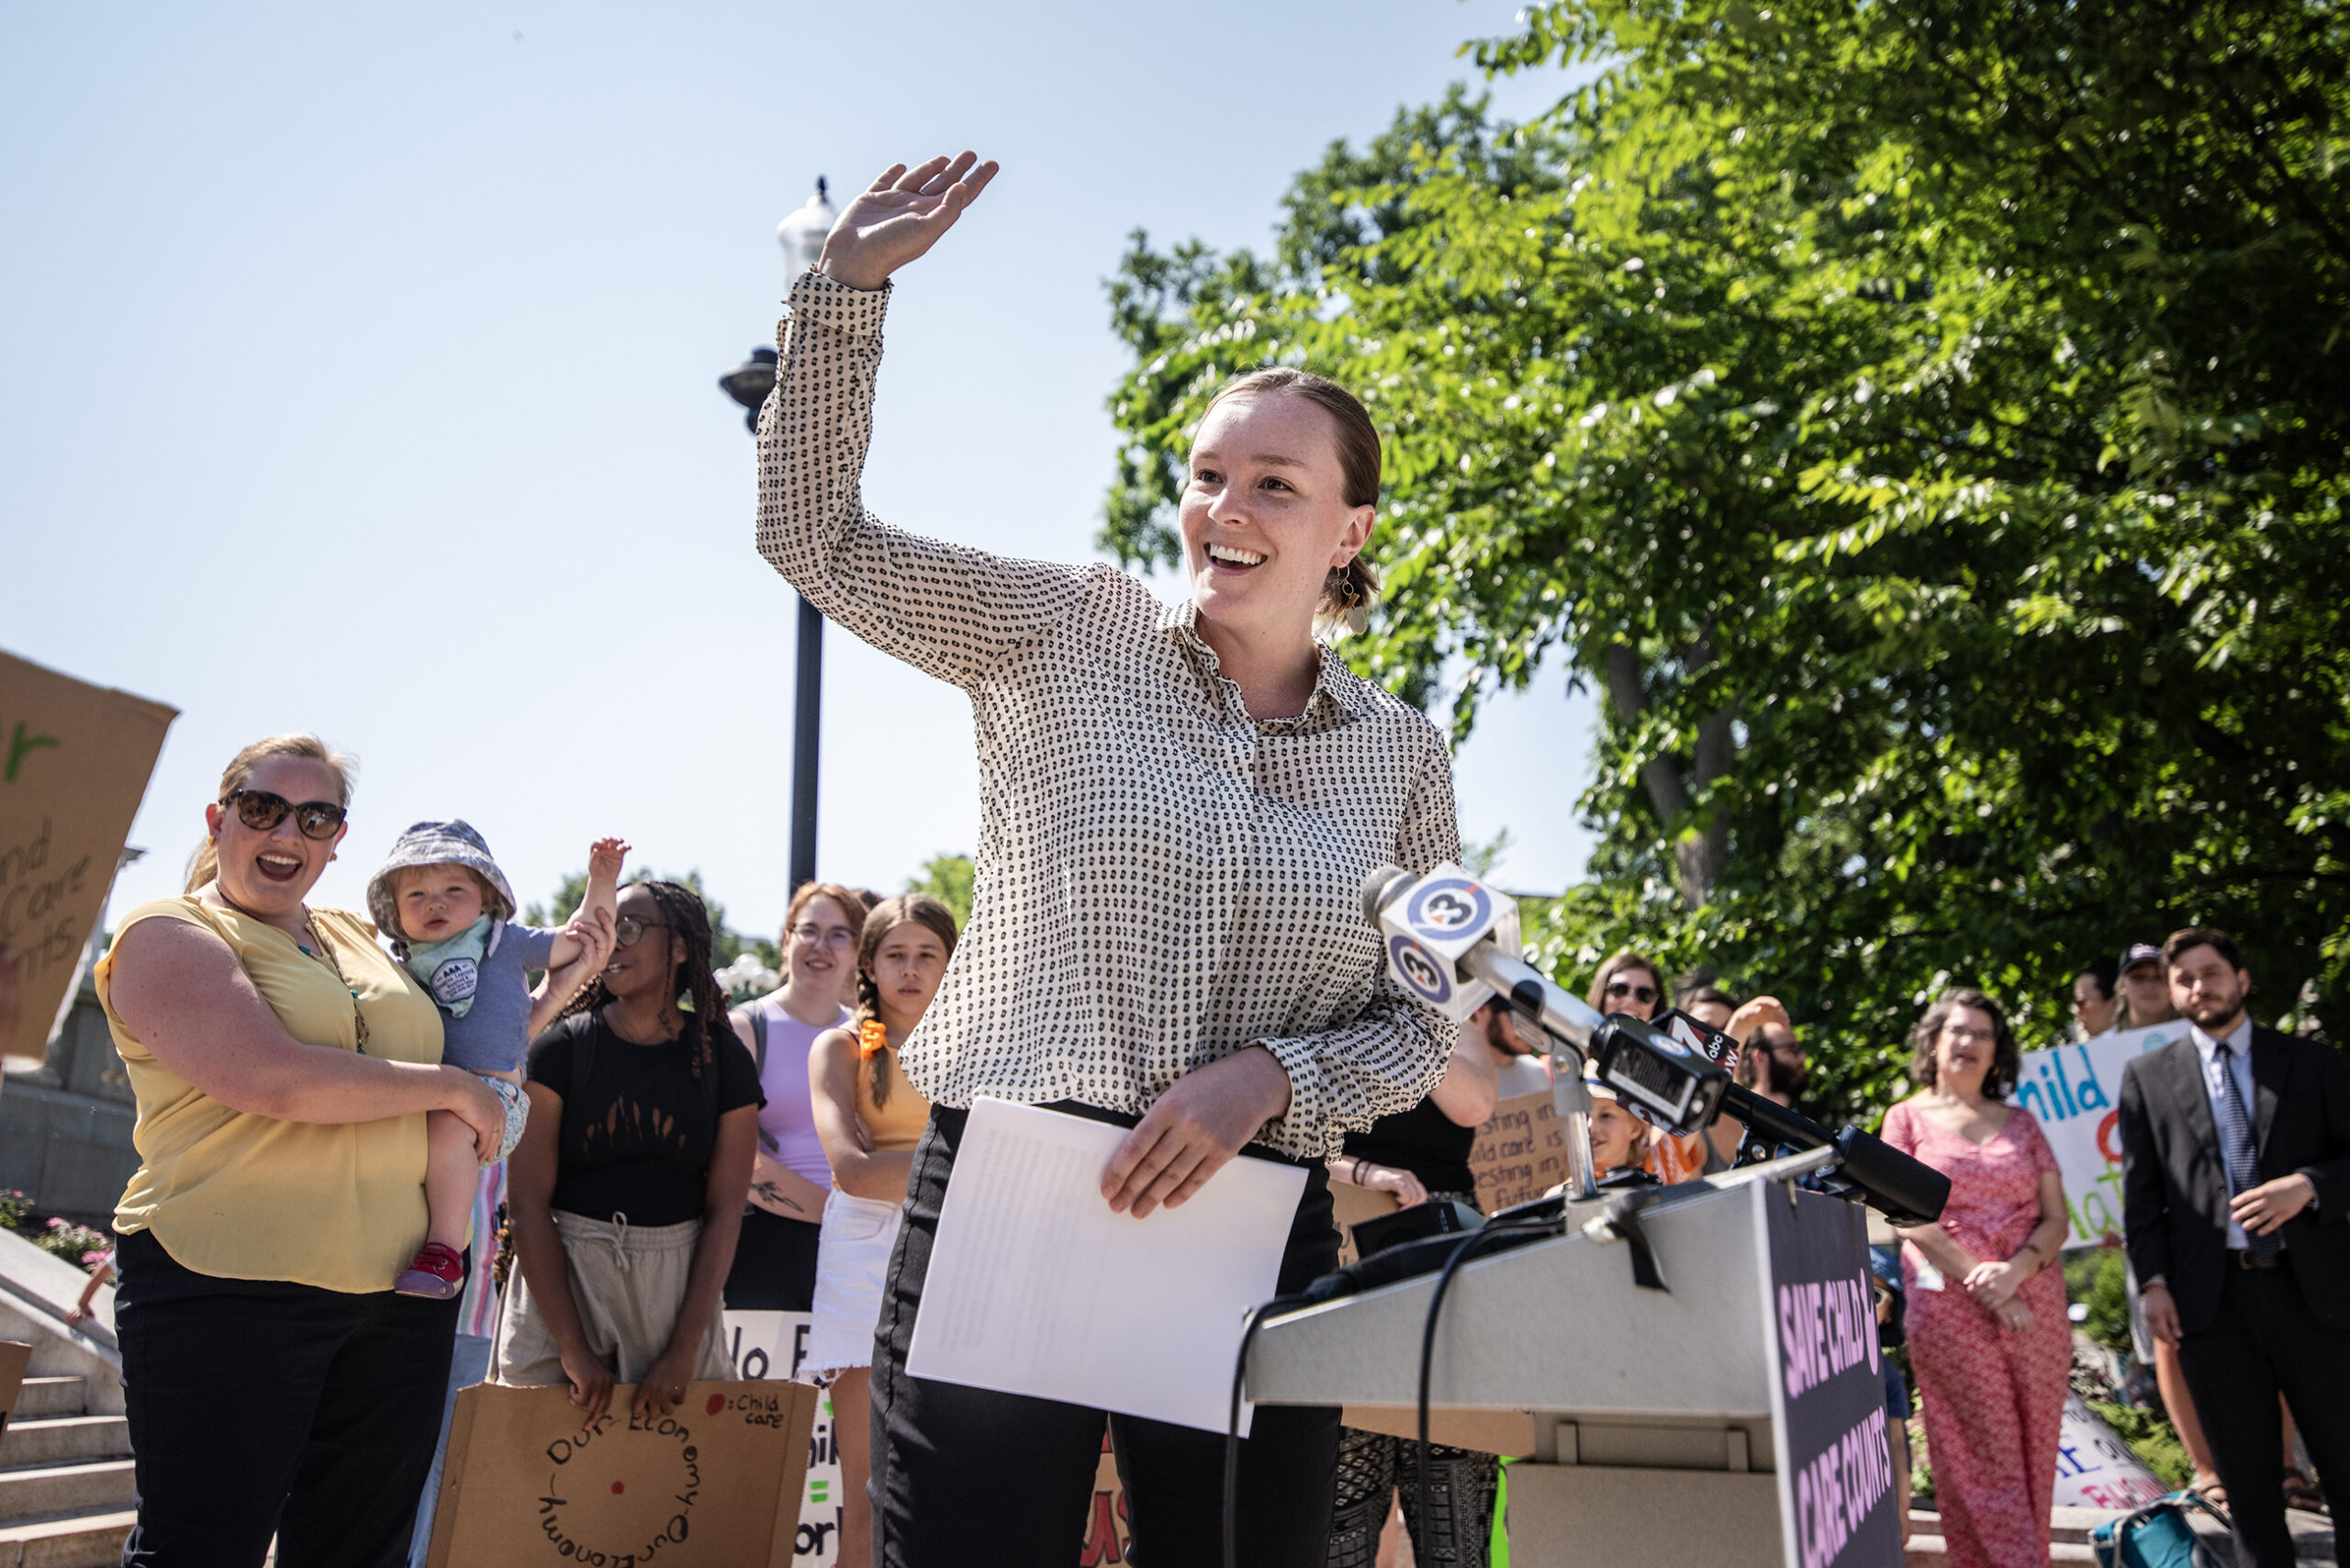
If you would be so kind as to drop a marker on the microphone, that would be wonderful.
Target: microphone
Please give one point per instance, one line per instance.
(1905, 1189)
(1452, 944)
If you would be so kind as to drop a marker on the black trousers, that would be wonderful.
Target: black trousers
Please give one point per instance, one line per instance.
(259, 1407)
(775, 1264)
(2264, 1342)
(969, 1478)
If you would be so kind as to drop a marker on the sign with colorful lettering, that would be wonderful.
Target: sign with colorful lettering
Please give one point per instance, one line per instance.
(2072, 1091)
(2095, 1469)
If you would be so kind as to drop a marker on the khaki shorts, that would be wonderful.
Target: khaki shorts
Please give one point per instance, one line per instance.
(628, 1282)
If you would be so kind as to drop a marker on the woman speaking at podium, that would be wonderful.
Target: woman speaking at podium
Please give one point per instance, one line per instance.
(1178, 808)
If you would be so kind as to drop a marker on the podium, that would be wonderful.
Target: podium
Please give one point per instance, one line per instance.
(1724, 1420)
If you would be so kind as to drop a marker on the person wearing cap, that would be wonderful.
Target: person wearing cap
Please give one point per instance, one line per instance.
(2145, 987)
(449, 911)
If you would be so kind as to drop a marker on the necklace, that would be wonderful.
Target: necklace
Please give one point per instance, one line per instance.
(325, 954)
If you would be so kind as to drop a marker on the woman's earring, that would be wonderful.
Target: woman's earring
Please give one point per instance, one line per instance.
(1359, 617)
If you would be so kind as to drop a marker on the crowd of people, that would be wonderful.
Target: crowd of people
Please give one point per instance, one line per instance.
(1179, 806)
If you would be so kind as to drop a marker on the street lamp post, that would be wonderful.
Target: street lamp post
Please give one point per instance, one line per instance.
(801, 236)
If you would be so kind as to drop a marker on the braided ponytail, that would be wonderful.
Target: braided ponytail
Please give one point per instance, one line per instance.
(887, 916)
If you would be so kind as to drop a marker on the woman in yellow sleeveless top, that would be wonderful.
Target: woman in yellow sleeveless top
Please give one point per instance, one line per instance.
(283, 1065)
(869, 1118)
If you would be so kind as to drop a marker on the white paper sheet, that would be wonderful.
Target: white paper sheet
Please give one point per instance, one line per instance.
(1036, 1287)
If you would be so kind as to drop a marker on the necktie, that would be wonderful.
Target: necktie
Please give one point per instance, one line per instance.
(2235, 1143)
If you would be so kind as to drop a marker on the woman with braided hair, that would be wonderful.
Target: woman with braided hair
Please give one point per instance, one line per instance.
(870, 1119)
(627, 1189)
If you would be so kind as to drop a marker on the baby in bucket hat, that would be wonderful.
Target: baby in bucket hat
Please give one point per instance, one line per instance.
(449, 913)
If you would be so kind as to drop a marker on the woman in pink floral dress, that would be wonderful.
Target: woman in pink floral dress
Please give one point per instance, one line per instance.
(1987, 1332)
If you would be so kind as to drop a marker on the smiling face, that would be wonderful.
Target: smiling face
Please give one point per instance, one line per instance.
(906, 969)
(1634, 990)
(1963, 1050)
(820, 951)
(1616, 1135)
(1264, 515)
(436, 903)
(649, 962)
(269, 874)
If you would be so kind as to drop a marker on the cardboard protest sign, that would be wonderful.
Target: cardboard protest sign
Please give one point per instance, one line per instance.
(2073, 1091)
(772, 1345)
(2095, 1469)
(1349, 1207)
(74, 764)
(1520, 1152)
(716, 1484)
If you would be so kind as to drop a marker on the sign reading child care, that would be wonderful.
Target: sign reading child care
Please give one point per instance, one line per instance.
(2073, 1091)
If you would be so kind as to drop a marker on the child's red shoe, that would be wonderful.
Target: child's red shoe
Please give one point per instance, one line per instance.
(438, 1273)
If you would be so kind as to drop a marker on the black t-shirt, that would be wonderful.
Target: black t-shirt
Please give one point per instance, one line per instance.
(639, 1129)
(1424, 1142)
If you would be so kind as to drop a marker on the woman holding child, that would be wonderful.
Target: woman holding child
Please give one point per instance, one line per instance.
(1179, 806)
(626, 1191)
(274, 1380)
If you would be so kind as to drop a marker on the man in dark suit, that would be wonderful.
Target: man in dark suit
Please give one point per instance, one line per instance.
(2235, 1178)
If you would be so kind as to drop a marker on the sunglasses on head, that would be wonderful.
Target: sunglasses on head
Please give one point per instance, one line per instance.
(262, 812)
(1637, 992)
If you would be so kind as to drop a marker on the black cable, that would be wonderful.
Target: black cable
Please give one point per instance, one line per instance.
(1232, 1431)
(1502, 1229)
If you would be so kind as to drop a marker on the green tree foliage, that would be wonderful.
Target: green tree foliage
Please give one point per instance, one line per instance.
(1924, 425)
(947, 878)
(726, 943)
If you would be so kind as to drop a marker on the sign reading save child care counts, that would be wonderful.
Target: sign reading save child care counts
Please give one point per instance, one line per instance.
(1838, 1496)
(2073, 1091)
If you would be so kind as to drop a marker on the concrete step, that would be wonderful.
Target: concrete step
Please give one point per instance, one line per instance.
(1929, 1552)
(60, 1439)
(71, 1540)
(51, 1396)
(53, 1489)
(2064, 1525)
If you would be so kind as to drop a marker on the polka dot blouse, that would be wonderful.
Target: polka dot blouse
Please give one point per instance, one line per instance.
(1162, 879)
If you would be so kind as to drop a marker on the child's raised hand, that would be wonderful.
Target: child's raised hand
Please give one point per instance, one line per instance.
(604, 857)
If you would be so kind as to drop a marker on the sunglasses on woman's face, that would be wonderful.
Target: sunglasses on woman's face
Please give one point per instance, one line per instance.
(1637, 992)
(628, 928)
(262, 812)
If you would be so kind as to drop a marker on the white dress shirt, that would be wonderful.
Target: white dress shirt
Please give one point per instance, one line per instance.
(2240, 1065)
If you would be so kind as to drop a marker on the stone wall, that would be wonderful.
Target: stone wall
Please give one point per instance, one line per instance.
(65, 1129)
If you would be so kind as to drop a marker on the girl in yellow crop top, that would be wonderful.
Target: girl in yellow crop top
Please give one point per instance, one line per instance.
(869, 1118)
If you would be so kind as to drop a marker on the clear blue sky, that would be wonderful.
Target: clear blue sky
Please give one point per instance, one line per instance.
(357, 373)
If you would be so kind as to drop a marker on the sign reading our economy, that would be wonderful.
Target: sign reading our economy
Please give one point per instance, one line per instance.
(2073, 1091)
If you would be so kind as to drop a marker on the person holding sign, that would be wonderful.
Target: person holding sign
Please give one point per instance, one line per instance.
(1179, 806)
(1986, 1312)
(626, 1191)
(284, 1066)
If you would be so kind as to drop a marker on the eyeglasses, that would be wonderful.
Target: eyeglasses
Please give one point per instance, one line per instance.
(1637, 992)
(817, 936)
(628, 928)
(260, 810)
(1965, 1034)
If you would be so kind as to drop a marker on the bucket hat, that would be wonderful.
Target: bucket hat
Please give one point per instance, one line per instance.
(452, 842)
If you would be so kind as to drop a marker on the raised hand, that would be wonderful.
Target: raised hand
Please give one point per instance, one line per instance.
(605, 858)
(900, 216)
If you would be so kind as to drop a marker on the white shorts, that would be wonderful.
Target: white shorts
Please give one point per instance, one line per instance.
(852, 1263)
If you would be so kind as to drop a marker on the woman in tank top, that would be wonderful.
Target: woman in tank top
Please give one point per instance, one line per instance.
(871, 1118)
(775, 1264)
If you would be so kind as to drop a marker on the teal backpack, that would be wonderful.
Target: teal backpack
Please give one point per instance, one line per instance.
(2156, 1536)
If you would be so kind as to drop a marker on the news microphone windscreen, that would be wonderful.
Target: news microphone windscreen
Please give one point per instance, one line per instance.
(1374, 889)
